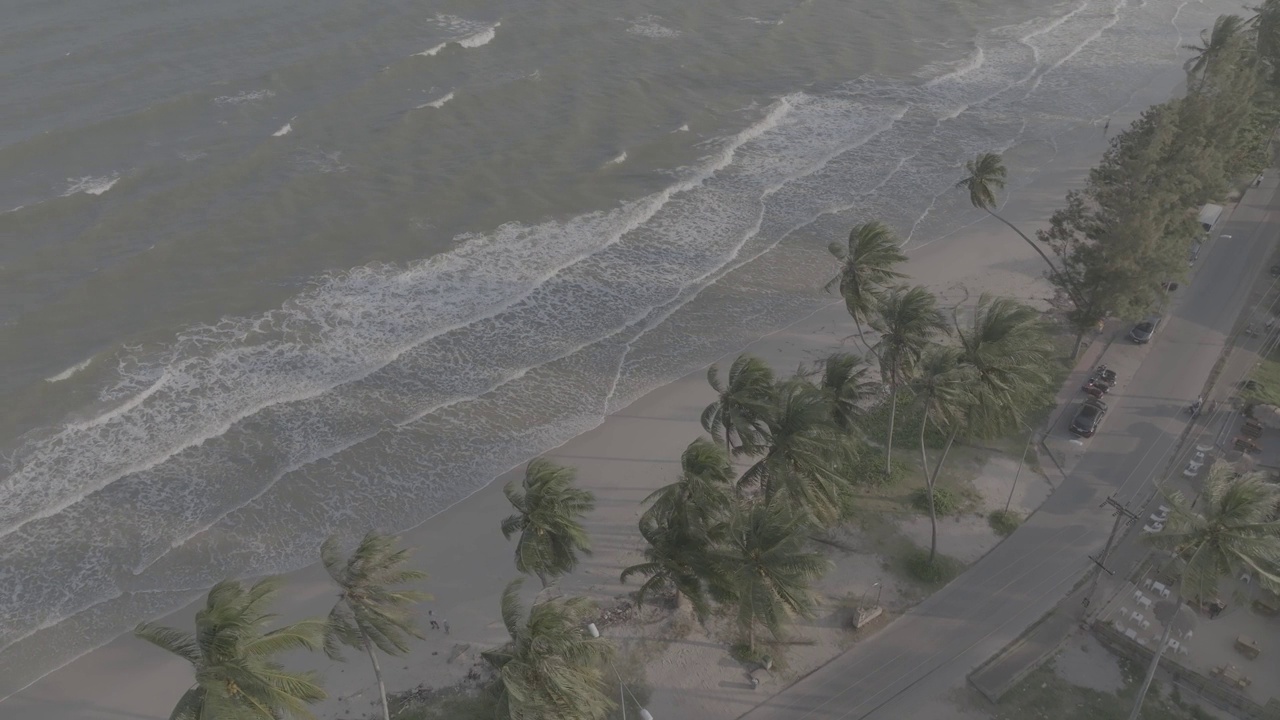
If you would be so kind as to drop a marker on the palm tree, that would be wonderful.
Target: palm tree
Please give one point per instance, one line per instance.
(943, 386)
(548, 519)
(683, 521)
(551, 667)
(1212, 44)
(237, 677)
(1233, 532)
(805, 454)
(867, 262)
(740, 402)
(370, 615)
(1007, 352)
(766, 570)
(907, 319)
(845, 383)
(986, 175)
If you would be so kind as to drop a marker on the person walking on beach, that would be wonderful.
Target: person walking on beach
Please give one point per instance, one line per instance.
(1258, 180)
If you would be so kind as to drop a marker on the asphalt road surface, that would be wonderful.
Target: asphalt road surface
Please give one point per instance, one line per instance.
(897, 672)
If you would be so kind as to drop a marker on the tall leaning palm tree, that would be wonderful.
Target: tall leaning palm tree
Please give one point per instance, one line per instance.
(867, 264)
(740, 403)
(371, 614)
(548, 520)
(551, 667)
(986, 175)
(1006, 345)
(805, 455)
(907, 320)
(1212, 44)
(943, 386)
(683, 521)
(236, 674)
(1232, 532)
(766, 570)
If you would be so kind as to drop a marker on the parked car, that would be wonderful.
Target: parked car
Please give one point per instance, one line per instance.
(1143, 331)
(1088, 417)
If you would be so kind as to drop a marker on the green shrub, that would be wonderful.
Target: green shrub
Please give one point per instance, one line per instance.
(1004, 522)
(868, 469)
(942, 570)
(945, 501)
(906, 425)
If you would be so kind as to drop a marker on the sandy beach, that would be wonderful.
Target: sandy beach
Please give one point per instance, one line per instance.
(621, 461)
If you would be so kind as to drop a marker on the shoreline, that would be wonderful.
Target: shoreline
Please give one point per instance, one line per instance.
(630, 453)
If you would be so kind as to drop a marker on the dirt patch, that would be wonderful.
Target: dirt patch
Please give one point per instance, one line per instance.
(969, 536)
(1085, 663)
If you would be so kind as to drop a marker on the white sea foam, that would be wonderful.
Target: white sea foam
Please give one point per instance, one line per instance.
(618, 159)
(682, 128)
(66, 374)
(759, 21)
(470, 34)
(651, 26)
(386, 393)
(284, 130)
(481, 38)
(438, 102)
(90, 185)
(244, 97)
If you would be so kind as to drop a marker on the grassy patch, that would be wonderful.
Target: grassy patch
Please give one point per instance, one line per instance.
(906, 425)
(1004, 522)
(1263, 385)
(1043, 694)
(868, 469)
(449, 704)
(945, 500)
(915, 564)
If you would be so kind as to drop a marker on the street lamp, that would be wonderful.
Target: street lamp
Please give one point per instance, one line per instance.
(623, 691)
(862, 602)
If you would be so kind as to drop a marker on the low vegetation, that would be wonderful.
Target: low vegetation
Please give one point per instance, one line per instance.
(1004, 522)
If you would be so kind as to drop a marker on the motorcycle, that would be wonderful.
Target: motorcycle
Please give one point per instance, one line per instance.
(1194, 408)
(1105, 374)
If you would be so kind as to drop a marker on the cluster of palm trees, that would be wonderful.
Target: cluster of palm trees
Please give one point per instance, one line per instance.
(733, 531)
(238, 675)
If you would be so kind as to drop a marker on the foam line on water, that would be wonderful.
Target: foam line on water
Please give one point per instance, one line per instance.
(438, 102)
(43, 485)
(66, 374)
(638, 315)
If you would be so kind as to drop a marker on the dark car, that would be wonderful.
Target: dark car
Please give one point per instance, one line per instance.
(1088, 417)
(1142, 332)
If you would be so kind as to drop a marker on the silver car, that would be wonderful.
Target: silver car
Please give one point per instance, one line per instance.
(1143, 331)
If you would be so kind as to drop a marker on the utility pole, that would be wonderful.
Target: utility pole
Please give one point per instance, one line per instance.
(1122, 514)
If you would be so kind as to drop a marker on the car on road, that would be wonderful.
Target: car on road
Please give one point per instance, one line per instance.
(1088, 417)
(1143, 331)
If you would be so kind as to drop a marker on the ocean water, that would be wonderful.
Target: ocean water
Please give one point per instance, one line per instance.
(268, 271)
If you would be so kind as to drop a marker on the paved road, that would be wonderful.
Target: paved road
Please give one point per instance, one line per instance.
(931, 649)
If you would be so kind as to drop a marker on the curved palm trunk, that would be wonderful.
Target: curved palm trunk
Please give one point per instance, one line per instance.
(862, 337)
(1070, 287)
(928, 484)
(1155, 662)
(893, 411)
(932, 479)
(377, 673)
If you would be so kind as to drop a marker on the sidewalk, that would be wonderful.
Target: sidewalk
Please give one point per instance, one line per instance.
(1006, 668)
